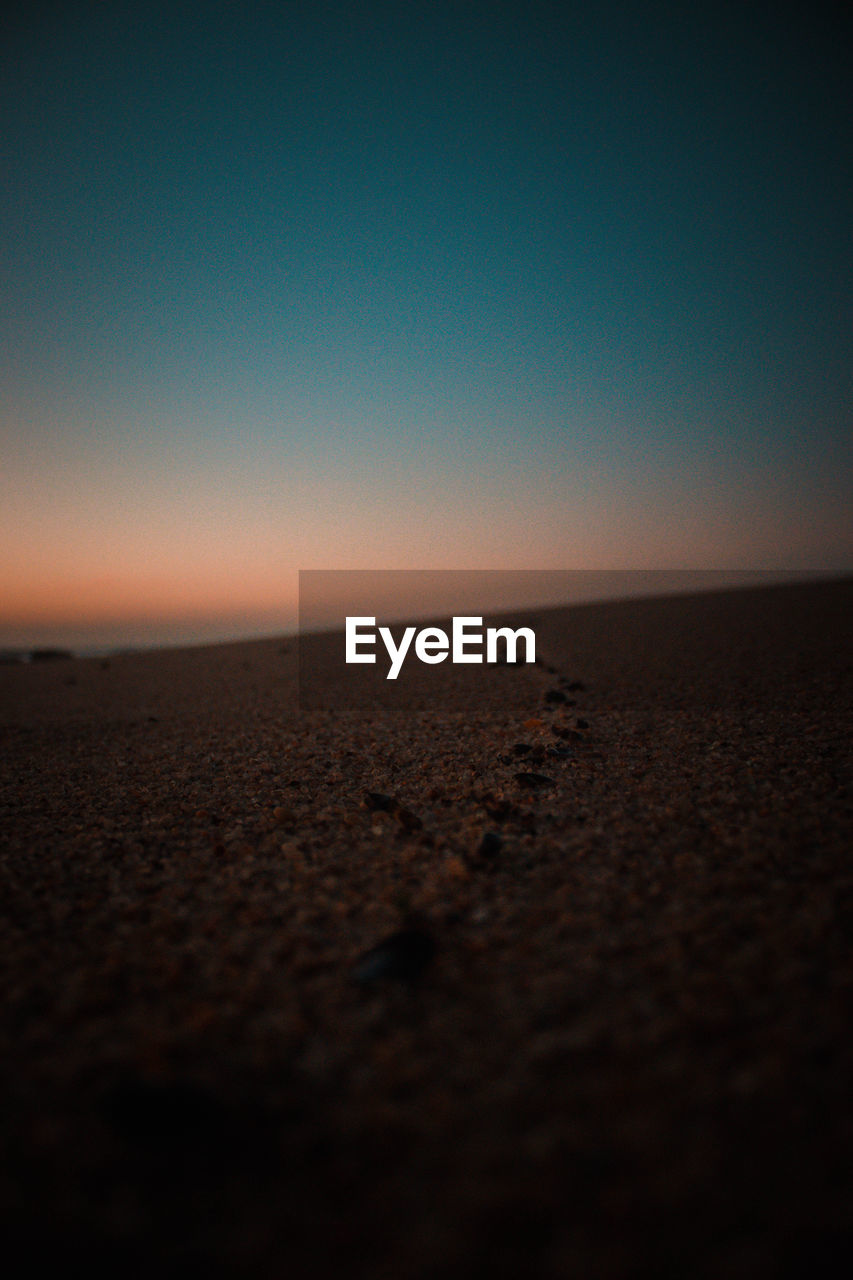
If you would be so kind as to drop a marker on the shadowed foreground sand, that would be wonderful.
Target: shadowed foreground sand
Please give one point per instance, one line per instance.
(614, 1042)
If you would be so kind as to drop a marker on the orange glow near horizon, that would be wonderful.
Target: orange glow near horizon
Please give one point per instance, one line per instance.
(106, 610)
(190, 547)
(76, 608)
(108, 599)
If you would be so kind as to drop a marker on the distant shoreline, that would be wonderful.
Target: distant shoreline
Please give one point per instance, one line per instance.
(61, 645)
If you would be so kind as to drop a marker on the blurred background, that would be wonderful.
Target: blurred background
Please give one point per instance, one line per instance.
(450, 285)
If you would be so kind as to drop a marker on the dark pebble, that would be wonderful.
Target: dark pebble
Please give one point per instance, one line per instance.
(490, 845)
(576, 686)
(581, 723)
(533, 780)
(409, 820)
(521, 748)
(403, 955)
(536, 755)
(378, 800)
(555, 695)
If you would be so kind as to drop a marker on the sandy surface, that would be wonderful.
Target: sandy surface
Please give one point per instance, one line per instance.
(614, 1042)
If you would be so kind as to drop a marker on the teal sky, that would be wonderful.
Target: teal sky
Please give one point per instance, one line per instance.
(310, 285)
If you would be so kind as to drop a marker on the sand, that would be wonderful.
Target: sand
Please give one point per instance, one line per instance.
(619, 1044)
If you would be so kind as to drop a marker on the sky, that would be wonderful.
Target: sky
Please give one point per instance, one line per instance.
(458, 285)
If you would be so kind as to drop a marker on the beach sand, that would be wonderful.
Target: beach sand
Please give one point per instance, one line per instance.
(612, 1040)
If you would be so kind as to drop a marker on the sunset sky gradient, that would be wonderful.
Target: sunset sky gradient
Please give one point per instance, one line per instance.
(452, 285)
